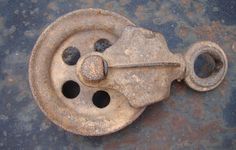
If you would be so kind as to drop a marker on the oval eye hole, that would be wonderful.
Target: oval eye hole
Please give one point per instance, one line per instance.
(101, 99)
(205, 65)
(70, 89)
(101, 45)
(71, 55)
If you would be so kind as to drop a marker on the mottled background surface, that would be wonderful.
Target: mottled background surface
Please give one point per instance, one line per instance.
(187, 120)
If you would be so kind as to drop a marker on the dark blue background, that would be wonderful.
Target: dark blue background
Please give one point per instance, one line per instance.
(187, 120)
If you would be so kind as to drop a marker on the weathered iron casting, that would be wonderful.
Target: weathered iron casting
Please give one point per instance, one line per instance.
(93, 72)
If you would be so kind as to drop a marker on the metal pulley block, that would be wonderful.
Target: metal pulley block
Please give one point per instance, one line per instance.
(93, 72)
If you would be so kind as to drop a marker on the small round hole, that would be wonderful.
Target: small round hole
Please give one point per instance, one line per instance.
(101, 45)
(101, 99)
(205, 65)
(71, 55)
(70, 89)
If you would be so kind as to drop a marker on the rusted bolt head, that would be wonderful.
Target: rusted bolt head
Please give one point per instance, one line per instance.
(93, 68)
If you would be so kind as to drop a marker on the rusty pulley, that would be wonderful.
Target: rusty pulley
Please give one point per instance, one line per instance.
(93, 72)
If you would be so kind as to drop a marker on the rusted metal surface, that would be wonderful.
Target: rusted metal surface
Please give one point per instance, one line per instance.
(141, 61)
(218, 73)
(138, 60)
(189, 119)
(48, 73)
(93, 69)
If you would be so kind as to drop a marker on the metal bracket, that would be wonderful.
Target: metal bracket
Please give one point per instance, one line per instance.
(141, 67)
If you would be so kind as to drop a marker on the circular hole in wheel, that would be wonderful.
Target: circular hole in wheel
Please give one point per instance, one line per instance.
(205, 65)
(101, 45)
(71, 55)
(101, 99)
(70, 89)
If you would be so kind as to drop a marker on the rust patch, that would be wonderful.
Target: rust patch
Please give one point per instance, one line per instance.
(185, 2)
(140, 12)
(164, 15)
(124, 2)
(183, 31)
(109, 5)
(178, 121)
(53, 6)
(155, 117)
(197, 106)
(208, 31)
(197, 133)
(199, 8)
(89, 3)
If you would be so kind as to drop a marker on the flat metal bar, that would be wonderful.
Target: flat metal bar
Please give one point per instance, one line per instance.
(155, 64)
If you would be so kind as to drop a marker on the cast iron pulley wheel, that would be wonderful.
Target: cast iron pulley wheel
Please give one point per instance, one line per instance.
(59, 93)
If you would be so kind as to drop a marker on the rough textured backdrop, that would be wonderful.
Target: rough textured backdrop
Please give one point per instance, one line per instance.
(186, 120)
